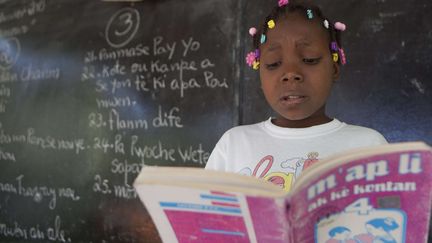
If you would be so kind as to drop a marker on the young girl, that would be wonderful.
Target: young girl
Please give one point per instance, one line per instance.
(298, 53)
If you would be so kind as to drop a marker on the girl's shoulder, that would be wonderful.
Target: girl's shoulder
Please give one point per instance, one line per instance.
(364, 133)
(360, 129)
(247, 130)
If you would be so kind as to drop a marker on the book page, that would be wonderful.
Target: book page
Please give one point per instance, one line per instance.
(208, 179)
(184, 214)
(378, 198)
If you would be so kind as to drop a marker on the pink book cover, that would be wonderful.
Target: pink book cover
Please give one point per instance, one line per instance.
(380, 198)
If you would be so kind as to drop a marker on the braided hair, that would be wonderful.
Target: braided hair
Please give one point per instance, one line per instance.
(310, 11)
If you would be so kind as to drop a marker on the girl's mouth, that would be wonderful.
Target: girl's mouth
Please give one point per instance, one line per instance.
(293, 99)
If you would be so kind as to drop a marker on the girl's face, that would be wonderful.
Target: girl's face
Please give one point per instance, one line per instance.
(297, 71)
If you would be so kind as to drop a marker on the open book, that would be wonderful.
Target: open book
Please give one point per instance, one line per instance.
(381, 193)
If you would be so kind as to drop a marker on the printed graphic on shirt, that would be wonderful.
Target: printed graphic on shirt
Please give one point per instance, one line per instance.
(282, 173)
(312, 159)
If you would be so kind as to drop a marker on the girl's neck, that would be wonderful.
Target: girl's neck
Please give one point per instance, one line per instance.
(308, 122)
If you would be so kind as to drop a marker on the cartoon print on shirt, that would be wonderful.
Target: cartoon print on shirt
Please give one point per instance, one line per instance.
(245, 171)
(266, 163)
(282, 174)
(294, 165)
(281, 179)
(312, 159)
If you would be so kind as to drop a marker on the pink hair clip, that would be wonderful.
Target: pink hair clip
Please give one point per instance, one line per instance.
(340, 26)
(252, 31)
(282, 3)
(251, 58)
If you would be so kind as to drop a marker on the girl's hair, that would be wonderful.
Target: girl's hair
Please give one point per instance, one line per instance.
(303, 7)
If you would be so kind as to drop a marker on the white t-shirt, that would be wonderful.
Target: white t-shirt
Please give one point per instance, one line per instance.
(279, 154)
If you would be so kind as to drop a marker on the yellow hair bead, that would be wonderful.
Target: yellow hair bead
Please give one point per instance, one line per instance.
(271, 24)
(255, 65)
(335, 57)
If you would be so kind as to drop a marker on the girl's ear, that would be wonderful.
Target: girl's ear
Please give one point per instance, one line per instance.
(336, 71)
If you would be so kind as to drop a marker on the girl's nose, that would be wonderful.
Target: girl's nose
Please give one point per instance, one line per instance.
(292, 76)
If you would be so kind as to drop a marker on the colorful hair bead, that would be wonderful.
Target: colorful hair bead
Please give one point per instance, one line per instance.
(326, 24)
(250, 58)
(252, 31)
(342, 54)
(257, 54)
(335, 57)
(255, 65)
(282, 3)
(271, 24)
(334, 46)
(340, 26)
(309, 14)
(263, 39)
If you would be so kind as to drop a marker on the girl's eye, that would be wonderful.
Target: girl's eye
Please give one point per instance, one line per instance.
(273, 65)
(311, 61)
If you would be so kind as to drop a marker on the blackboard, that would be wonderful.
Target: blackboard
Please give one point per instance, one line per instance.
(90, 91)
